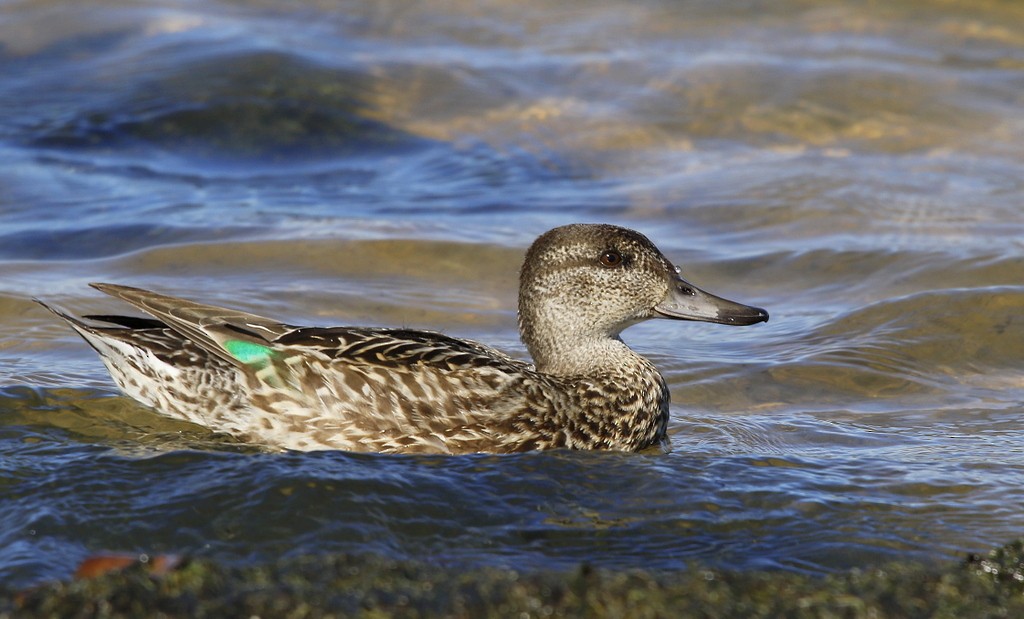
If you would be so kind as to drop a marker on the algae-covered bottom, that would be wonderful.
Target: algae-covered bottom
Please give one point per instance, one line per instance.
(345, 585)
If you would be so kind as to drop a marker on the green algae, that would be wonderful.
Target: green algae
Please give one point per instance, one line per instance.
(371, 586)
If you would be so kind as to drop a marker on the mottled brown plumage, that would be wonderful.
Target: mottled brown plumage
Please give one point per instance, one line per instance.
(399, 390)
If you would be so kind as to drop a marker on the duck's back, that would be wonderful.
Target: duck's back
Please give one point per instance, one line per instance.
(385, 390)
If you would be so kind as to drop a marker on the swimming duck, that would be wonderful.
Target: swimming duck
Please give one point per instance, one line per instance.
(401, 390)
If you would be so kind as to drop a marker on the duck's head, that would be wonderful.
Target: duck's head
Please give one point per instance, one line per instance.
(583, 283)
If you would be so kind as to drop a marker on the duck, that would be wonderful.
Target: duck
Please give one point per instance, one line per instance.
(398, 390)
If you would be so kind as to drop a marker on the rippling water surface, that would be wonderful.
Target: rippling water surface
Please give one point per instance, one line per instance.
(856, 169)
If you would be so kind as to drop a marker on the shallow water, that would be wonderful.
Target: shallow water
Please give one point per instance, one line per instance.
(855, 169)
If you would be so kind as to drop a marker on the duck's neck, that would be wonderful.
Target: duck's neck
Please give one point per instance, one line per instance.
(569, 354)
(620, 400)
(562, 347)
(616, 398)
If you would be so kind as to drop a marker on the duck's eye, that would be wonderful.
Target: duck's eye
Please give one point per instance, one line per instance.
(611, 258)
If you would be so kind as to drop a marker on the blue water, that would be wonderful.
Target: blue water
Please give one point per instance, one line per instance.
(855, 170)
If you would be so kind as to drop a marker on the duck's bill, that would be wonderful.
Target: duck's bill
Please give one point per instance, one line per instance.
(685, 301)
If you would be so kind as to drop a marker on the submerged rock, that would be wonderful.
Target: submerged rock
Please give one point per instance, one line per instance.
(253, 106)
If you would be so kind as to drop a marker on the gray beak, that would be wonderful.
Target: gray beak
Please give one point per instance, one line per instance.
(685, 301)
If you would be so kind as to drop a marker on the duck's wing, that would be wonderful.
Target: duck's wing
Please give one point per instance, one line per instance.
(391, 390)
(271, 349)
(144, 334)
(227, 333)
(365, 389)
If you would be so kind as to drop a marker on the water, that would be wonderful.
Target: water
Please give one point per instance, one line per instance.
(856, 169)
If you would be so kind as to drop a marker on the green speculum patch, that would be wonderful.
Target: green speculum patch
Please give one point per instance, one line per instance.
(249, 353)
